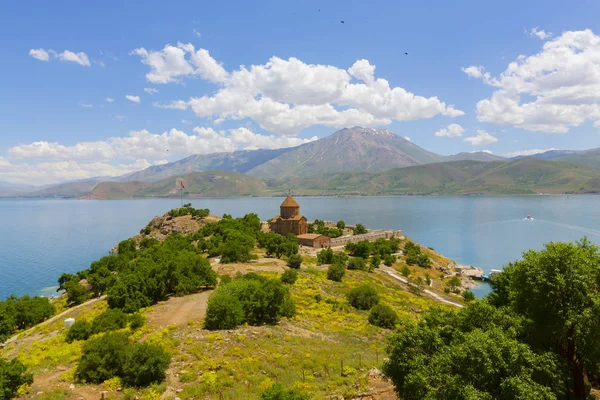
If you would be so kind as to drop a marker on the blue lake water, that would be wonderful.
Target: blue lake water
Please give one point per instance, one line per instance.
(41, 239)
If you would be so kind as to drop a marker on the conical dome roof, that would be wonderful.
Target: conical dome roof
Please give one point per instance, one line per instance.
(289, 202)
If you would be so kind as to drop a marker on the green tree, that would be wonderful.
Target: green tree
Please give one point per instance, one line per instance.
(341, 225)
(224, 310)
(63, 279)
(13, 374)
(295, 261)
(103, 358)
(375, 261)
(325, 256)
(278, 392)
(136, 321)
(336, 272)
(357, 263)
(363, 297)
(389, 260)
(453, 283)
(109, 320)
(405, 271)
(468, 296)
(359, 229)
(558, 289)
(76, 293)
(145, 364)
(383, 316)
(289, 276)
(81, 330)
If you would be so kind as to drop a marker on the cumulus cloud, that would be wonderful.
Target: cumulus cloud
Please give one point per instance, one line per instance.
(551, 91)
(482, 138)
(529, 152)
(39, 54)
(151, 90)
(135, 99)
(185, 121)
(56, 172)
(286, 96)
(451, 131)
(80, 58)
(110, 99)
(539, 33)
(146, 145)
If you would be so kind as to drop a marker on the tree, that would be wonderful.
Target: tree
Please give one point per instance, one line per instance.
(383, 316)
(294, 261)
(76, 293)
(224, 310)
(359, 229)
(424, 261)
(109, 320)
(325, 256)
(558, 289)
(375, 261)
(453, 283)
(277, 392)
(103, 358)
(289, 276)
(363, 297)
(336, 272)
(405, 271)
(357, 263)
(13, 374)
(81, 330)
(389, 260)
(468, 296)
(63, 279)
(145, 364)
(341, 225)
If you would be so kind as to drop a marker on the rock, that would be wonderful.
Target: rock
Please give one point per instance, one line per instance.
(72, 386)
(39, 393)
(179, 390)
(182, 372)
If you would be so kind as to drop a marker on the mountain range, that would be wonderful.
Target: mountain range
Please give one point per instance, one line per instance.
(350, 161)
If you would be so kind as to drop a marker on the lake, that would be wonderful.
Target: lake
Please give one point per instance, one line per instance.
(43, 238)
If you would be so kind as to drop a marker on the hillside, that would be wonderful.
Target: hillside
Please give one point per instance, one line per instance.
(350, 149)
(67, 189)
(475, 156)
(588, 157)
(203, 184)
(238, 161)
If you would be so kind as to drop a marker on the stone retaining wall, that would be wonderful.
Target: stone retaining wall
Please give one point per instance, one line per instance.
(370, 236)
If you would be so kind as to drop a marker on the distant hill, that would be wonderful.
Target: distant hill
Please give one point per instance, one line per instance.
(475, 156)
(205, 184)
(350, 149)
(585, 157)
(238, 161)
(67, 189)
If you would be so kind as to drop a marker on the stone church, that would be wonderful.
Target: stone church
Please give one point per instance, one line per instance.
(289, 219)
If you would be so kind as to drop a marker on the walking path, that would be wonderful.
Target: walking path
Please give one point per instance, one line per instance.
(391, 272)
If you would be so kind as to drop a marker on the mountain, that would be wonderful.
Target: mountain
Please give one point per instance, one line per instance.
(67, 189)
(238, 161)
(350, 149)
(475, 156)
(585, 157)
(204, 184)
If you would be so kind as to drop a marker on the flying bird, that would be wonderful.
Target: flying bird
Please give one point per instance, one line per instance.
(405, 54)
(342, 22)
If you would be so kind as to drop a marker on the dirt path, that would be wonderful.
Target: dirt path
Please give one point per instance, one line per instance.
(57, 316)
(180, 310)
(391, 272)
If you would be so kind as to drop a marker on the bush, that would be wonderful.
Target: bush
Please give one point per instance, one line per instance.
(375, 261)
(102, 358)
(289, 276)
(336, 272)
(225, 279)
(145, 364)
(325, 256)
(357, 263)
(22, 313)
(405, 271)
(341, 225)
(363, 297)
(224, 310)
(389, 260)
(295, 261)
(383, 316)
(81, 330)
(359, 229)
(13, 374)
(468, 296)
(277, 392)
(424, 261)
(136, 321)
(109, 320)
(76, 293)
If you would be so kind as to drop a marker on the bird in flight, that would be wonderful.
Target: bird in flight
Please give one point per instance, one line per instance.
(342, 22)
(405, 54)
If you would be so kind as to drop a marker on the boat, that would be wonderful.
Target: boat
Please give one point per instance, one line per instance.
(529, 217)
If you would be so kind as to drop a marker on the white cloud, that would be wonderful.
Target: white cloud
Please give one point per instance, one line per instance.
(146, 145)
(451, 131)
(55, 172)
(84, 105)
(526, 152)
(119, 117)
(185, 121)
(151, 90)
(482, 138)
(39, 54)
(196, 33)
(286, 96)
(100, 63)
(110, 99)
(135, 99)
(551, 91)
(161, 162)
(79, 58)
(539, 33)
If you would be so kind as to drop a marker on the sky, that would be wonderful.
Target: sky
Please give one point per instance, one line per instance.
(105, 88)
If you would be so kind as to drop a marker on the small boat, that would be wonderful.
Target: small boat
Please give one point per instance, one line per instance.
(529, 217)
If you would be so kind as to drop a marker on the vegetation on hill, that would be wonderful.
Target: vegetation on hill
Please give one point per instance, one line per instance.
(18, 313)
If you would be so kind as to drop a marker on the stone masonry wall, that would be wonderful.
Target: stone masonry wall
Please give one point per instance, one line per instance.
(370, 236)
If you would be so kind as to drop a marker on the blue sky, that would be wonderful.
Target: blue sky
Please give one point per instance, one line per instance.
(62, 61)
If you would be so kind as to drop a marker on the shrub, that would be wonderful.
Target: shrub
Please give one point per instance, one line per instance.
(76, 293)
(277, 392)
(109, 320)
(405, 271)
(295, 261)
(363, 297)
(102, 358)
(468, 296)
(136, 321)
(289, 276)
(224, 310)
(375, 261)
(13, 374)
(359, 229)
(22, 312)
(424, 261)
(336, 272)
(225, 279)
(341, 225)
(389, 260)
(383, 316)
(453, 283)
(325, 256)
(145, 364)
(81, 330)
(357, 263)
